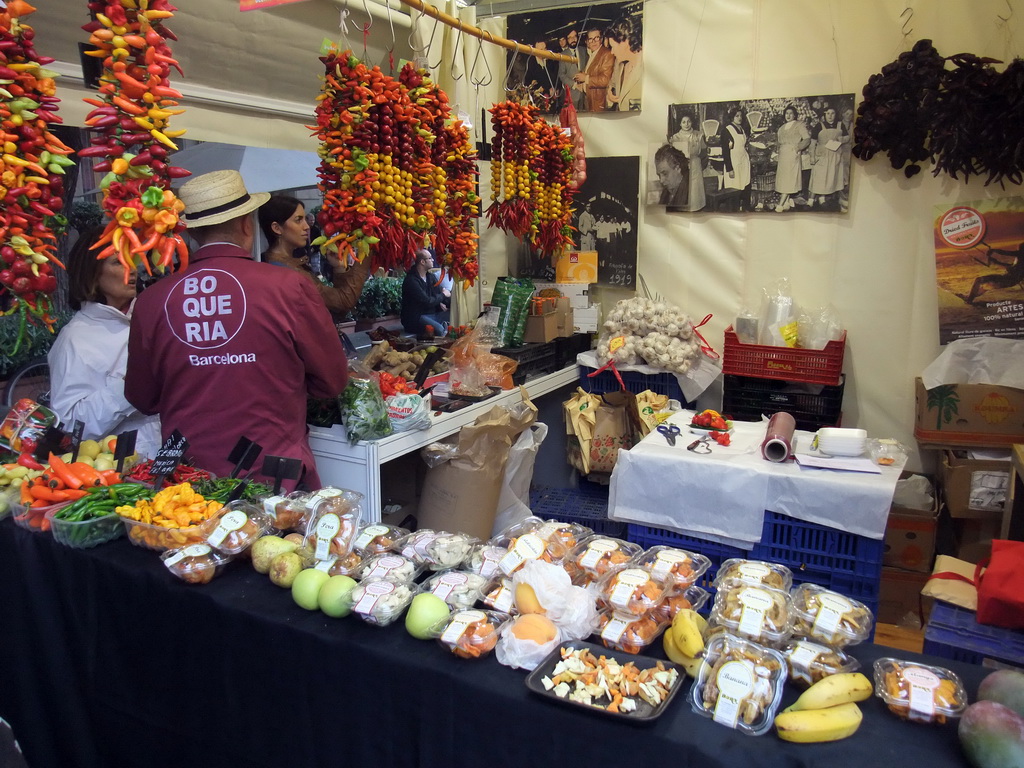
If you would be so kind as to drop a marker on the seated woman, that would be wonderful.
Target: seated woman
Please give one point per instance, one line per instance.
(283, 221)
(424, 302)
(90, 355)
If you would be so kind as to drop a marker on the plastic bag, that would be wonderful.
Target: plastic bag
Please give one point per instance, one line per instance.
(407, 412)
(362, 406)
(512, 297)
(819, 326)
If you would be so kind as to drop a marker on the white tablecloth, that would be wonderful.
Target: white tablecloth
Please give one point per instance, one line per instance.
(722, 496)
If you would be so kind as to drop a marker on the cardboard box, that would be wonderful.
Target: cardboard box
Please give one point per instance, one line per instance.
(968, 415)
(974, 488)
(578, 294)
(900, 594)
(910, 538)
(541, 328)
(578, 267)
(585, 320)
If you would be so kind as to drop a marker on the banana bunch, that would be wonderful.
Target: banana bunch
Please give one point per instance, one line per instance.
(827, 711)
(684, 640)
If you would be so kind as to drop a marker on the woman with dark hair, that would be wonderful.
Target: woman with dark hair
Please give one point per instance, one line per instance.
(793, 138)
(690, 141)
(734, 135)
(624, 37)
(827, 170)
(89, 357)
(283, 221)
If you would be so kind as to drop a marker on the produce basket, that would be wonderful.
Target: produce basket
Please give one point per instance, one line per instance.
(82, 534)
(813, 366)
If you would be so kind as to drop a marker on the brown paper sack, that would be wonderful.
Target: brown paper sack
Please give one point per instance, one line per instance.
(461, 495)
(617, 425)
(953, 590)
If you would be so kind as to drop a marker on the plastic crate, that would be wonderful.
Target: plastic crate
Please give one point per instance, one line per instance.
(715, 552)
(812, 366)
(954, 633)
(571, 505)
(636, 382)
(746, 398)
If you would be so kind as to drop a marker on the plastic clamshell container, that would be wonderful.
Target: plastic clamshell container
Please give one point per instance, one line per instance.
(832, 618)
(471, 634)
(500, 594)
(677, 598)
(83, 534)
(750, 676)
(34, 518)
(333, 522)
(289, 513)
(195, 563)
(484, 559)
(682, 566)
(632, 589)
(737, 569)
(919, 692)
(389, 566)
(236, 526)
(755, 612)
(375, 538)
(159, 538)
(530, 546)
(626, 632)
(596, 555)
(810, 662)
(379, 601)
(460, 589)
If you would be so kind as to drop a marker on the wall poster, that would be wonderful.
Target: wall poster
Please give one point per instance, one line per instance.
(979, 269)
(758, 155)
(608, 41)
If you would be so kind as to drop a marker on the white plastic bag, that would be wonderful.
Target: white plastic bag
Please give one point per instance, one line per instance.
(407, 412)
(514, 501)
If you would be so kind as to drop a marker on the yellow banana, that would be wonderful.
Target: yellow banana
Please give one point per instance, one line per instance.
(686, 632)
(815, 725)
(690, 664)
(833, 690)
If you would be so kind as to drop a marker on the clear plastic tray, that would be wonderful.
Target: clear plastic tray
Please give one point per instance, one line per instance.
(380, 602)
(837, 620)
(389, 566)
(628, 633)
(596, 555)
(774, 575)
(750, 676)
(472, 634)
(236, 526)
(376, 538)
(678, 598)
(758, 613)
(682, 566)
(631, 589)
(460, 589)
(810, 662)
(919, 692)
(196, 563)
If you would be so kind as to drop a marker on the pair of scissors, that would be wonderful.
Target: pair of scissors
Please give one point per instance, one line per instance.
(670, 431)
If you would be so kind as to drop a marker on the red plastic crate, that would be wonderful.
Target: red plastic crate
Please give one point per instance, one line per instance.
(813, 366)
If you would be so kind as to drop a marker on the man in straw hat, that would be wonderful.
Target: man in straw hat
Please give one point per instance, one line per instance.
(232, 347)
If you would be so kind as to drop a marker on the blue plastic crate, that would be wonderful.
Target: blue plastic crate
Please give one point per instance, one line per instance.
(954, 633)
(658, 383)
(715, 552)
(582, 505)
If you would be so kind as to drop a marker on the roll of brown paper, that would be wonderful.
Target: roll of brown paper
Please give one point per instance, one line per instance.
(778, 438)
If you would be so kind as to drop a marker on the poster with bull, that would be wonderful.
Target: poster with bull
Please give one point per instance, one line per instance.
(979, 269)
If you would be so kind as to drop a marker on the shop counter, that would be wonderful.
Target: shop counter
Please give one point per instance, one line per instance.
(357, 467)
(107, 660)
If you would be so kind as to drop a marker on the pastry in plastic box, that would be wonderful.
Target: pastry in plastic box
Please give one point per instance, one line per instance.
(810, 662)
(391, 567)
(756, 612)
(830, 617)
(472, 634)
(683, 567)
(484, 559)
(333, 522)
(596, 555)
(500, 594)
(774, 575)
(460, 589)
(530, 546)
(677, 598)
(631, 589)
(739, 684)
(375, 538)
(626, 632)
(379, 601)
(919, 692)
(196, 563)
(236, 526)
(289, 513)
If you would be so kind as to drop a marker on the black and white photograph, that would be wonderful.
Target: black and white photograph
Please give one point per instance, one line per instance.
(607, 41)
(755, 156)
(605, 217)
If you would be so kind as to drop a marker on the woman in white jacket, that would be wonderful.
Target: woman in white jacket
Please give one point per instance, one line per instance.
(89, 357)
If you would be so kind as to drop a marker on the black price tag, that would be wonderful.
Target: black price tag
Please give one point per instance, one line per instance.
(168, 457)
(244, 455)
(124, 447)
(76, 439)
(281, 469)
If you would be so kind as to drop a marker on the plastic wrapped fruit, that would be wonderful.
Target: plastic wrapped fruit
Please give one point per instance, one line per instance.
(597, 554)
(810, 662)
(772, 575)
(195, 564)
(631, 589)
(235, 527)
(835, 619)
(757, 613)
(919, 692)
(682, 566)
(472, 634)
(626, 632)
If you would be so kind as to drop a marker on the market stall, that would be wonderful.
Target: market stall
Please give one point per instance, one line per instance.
(119, 663)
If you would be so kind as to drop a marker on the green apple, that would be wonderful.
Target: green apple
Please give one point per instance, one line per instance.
(333, 598)
(425, 611)
(306, 587)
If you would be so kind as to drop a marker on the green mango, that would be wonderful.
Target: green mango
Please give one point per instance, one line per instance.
(1005, 686)
(992, 736)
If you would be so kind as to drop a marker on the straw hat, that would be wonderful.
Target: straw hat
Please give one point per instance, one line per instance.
(216, 197)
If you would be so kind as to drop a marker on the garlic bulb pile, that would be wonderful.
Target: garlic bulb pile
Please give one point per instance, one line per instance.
(655, 333)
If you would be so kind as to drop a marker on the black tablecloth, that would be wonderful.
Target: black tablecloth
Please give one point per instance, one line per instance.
(106, 660)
